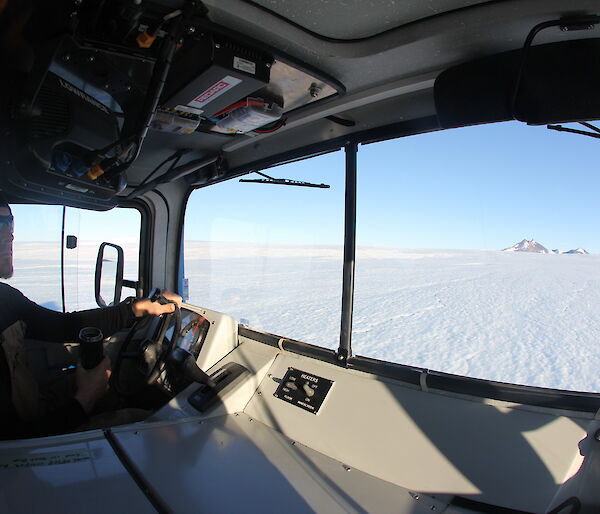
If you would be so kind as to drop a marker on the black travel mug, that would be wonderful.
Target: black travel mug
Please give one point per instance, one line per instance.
(91, 351)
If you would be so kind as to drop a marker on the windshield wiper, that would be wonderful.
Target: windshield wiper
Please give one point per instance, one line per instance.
(281, 181)
(560, 128)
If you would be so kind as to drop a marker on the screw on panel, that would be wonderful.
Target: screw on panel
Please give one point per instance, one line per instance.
(191, 30)
(347, 468)
(433, 507)
(259, 393)
(414, 495)
(314, 90)
(597, 435)
(293, 443)
(91, 58)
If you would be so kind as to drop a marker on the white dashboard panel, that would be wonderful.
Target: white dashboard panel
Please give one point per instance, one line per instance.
(426, 441)
(236, 464)
(67, 475)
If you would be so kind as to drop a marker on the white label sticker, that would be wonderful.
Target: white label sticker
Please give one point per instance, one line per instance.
(79, 189)
(244, 65)
(187, 108)
(43, 459)
(214, 91)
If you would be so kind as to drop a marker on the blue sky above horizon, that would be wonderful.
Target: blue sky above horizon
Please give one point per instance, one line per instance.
(483, 187)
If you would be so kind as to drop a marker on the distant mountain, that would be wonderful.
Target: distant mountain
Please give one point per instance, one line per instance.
(527, 245)
(532, 246)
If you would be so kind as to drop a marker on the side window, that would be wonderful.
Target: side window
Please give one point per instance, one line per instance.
(37, 251)
(270, 255)
(479, 256)
(119, 226)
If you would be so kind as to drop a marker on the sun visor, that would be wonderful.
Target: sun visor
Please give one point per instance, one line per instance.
(559, 83)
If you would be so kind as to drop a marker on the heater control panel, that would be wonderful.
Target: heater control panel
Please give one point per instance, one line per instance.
(303, 389)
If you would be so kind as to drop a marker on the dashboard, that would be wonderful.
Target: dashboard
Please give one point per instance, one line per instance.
(194, 329)
(191, 337)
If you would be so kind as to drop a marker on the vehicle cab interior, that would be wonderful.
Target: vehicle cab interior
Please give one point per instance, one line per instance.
(142, 138)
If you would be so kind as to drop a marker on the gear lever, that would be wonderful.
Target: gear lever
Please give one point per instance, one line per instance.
(186, 364)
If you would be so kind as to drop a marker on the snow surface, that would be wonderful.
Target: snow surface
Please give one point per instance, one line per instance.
(523, 318)
(37, 273)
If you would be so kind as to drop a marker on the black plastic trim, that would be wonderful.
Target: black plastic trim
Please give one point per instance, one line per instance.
(476, 506)
(345, 348)
(408, 374)
(152, 496)
(527, 395)
(205, 397)
(306, 349)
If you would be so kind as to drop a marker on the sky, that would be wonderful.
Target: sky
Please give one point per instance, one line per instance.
(482, 187)
(43, 223)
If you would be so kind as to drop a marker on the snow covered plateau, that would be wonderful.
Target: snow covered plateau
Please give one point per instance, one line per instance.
(523, 318)
(517, 317)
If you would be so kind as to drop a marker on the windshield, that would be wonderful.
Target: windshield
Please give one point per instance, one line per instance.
(477, 255)
(270, 255)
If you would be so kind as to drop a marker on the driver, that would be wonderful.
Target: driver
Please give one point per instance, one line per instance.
(25, 409)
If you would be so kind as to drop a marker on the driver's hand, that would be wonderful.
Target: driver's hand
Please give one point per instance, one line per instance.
(172, 297)
(142, 307)
(92, 384)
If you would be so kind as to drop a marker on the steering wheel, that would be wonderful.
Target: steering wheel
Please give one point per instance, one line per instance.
(143, 354)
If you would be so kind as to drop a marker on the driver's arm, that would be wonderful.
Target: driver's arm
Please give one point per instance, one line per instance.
(49, 325)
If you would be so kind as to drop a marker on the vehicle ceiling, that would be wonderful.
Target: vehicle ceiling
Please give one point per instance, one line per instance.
(382, 56)
(356, 19)
(385, 54)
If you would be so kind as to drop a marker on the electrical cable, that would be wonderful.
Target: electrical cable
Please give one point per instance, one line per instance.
(270, 128)
(241, 103)
(174, 157)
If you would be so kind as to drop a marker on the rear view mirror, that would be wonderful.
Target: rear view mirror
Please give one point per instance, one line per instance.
(108, 281)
